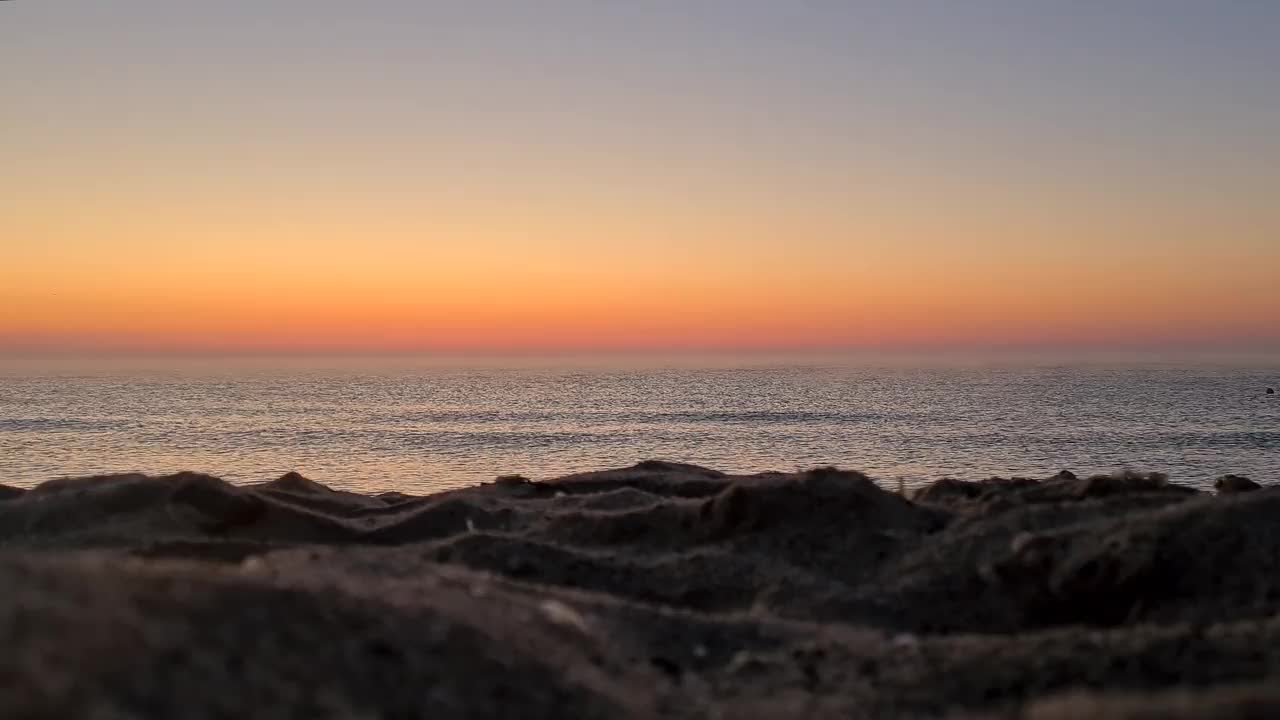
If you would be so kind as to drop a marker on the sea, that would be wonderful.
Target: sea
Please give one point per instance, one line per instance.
(420, 424)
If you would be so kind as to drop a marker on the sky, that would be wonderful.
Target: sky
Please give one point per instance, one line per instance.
(480, 175)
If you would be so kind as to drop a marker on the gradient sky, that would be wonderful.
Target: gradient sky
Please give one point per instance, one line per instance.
(406, 174)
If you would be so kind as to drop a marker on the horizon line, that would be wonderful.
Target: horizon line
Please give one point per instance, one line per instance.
(517, 351)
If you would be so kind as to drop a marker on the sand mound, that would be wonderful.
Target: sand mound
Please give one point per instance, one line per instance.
(1065, 486)
(1255, 702)
(660, 590)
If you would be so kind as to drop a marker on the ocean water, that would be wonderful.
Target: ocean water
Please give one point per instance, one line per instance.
(419, 426)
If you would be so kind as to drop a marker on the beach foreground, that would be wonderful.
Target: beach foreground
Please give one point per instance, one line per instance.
(661, 590)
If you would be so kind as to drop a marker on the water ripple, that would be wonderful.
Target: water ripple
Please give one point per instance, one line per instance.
(419, 429)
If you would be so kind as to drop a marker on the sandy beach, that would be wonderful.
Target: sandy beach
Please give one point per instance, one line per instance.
(660, 590)
(314, 279)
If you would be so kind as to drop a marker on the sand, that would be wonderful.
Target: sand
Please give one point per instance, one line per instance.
(661, 590)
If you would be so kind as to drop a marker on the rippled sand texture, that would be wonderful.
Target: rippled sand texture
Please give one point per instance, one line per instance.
(660, 590)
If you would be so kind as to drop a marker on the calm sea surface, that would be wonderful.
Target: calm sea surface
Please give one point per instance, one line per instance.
(422, 426)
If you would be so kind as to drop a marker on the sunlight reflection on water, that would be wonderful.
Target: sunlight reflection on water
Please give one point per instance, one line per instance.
(420, 427)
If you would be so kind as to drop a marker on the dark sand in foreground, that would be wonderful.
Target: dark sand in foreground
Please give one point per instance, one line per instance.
(661, 590)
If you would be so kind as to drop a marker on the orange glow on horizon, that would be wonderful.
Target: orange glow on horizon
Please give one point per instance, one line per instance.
(313, 287)
(701, 188)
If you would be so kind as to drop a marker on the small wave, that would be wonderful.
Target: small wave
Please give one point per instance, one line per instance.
(59, 425)
(1234, 439)
(758, 416)
(472, 416)
(454, 439)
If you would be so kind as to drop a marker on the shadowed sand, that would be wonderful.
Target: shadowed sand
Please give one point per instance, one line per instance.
(661, 590)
